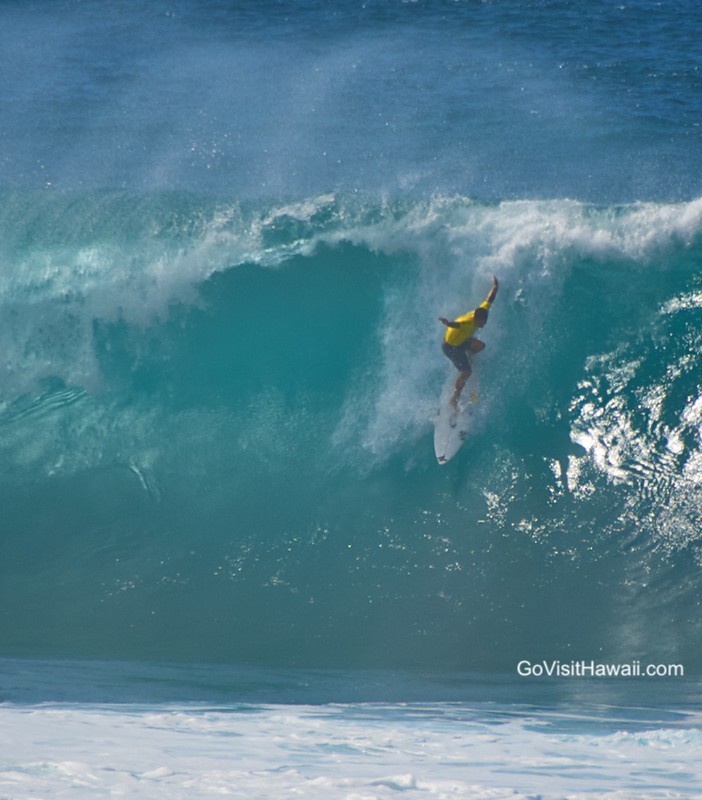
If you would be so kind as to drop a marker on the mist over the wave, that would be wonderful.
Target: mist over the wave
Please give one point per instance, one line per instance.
(489, 100)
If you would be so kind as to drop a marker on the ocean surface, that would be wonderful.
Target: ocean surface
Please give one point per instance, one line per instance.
(229, 562)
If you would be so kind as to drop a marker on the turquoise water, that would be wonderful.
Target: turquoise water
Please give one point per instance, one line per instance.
(222, 260)
(217, 432)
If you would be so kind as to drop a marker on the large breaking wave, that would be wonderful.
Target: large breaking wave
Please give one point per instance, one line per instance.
(215, 431)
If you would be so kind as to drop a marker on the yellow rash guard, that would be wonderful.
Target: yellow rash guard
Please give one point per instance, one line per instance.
(457, 336)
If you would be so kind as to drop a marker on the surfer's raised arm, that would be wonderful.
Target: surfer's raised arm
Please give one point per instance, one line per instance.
(490, 299)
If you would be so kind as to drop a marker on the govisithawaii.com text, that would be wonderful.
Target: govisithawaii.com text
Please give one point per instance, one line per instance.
(597, 669)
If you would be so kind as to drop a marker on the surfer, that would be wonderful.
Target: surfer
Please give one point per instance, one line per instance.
(459, 342)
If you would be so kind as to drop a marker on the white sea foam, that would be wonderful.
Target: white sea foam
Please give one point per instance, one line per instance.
(358, 752)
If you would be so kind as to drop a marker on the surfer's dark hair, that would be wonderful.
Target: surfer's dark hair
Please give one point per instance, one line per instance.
(480, 314)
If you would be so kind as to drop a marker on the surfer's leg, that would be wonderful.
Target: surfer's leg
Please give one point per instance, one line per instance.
(459, 358)
(475, 346)
(460, 383)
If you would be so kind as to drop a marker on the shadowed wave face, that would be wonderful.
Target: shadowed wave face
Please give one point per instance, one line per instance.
(221, 263)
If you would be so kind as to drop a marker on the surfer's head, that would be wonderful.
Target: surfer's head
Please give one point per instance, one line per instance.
(480, 316)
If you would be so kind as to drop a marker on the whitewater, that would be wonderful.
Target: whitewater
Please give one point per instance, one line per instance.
(229, 563)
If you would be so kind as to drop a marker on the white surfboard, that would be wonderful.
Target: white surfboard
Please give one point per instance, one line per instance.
(451, 426)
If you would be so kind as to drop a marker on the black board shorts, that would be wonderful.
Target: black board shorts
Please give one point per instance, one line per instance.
(458, 355)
